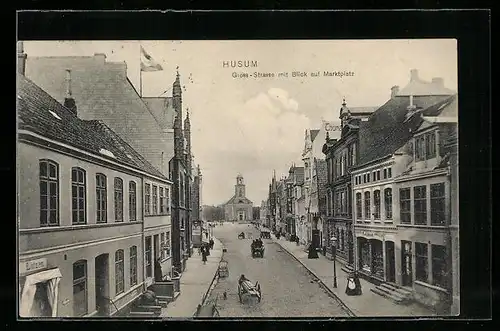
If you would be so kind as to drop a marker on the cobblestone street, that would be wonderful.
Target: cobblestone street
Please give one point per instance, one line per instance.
(288, 290)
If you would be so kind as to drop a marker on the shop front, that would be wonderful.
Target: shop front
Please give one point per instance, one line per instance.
(39, 288)
(376, 256)
(341, 230)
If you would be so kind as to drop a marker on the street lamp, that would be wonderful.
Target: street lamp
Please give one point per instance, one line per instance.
(334, 254)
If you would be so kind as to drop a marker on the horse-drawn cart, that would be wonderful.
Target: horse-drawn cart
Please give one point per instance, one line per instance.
(223, 269)
(246, 288)
(257, 248)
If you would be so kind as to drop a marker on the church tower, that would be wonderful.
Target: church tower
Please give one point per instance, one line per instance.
(239, 188)
(177, 103)
(187, 136)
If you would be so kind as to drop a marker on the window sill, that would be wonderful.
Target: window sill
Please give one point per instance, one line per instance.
(434, 227)
(433, 287)
(75, 227)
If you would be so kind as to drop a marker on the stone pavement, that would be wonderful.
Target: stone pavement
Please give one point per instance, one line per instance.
(368, 304)
(195, 282)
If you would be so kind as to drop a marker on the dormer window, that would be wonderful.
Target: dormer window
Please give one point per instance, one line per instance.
(425, 146)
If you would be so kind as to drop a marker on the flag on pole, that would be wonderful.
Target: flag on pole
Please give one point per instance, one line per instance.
(148, 63)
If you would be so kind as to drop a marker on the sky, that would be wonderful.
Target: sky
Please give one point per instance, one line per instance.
(254, 125)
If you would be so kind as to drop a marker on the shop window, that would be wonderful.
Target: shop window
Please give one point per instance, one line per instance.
(365, 258)
(167, 244)
(377, 267)
(132, 201)
(420, 205)
(118, 200)
(133, 265)
(119, 272)
(405, 205)
(439, 274)
(155, 200)
(437, 204)
(367, 205)
(376, 204)
(162, 245)
(388, 203)
(80, 294)
(421, 262)
(101, 198)
(359, 205)
(49, 193)
(147, 199)
(78, 195)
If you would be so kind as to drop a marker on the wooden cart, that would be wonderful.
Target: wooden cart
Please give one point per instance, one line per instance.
(223, 269)
(247, 288)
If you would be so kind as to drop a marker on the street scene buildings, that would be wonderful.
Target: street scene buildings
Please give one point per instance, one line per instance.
(356, 177)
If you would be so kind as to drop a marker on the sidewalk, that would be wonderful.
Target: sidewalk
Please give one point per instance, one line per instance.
(368, 304)
(195, 281)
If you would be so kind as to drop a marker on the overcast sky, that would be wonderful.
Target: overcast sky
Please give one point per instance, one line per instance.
(254, 125)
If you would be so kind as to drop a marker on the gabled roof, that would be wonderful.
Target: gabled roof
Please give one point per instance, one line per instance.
(39, 113)
(236, 200)
(388, 128)
(447, 107)
(314, 133)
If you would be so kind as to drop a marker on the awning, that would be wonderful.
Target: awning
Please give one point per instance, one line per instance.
(52, 277)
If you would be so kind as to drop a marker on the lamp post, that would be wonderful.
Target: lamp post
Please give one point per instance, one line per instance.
(334, 255)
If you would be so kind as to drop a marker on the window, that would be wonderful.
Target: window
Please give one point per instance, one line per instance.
(119, 272)
(49, 193)
(378, 174)
(420, 205)
(147, 253)
(101, 197)
(80, 288)
(155, 200)
(167, 244)
(388, 203)
(420, 148)
(167, 200)
(376, 204)
(181, 190)
(353, 154)
(359, 204)
(405, 205)
(147, 199)
(421, 262)
(367, 205)
(162, 201)
(133, 265)
(118, 199)
(344, 202)
(78, 191)
(439, 274)
(162, 245)
(132, 201)
(389, 172)
(385, 173)
(342, 165)
(374, 176)
(437, 204)
(430, 145)
(337, 202)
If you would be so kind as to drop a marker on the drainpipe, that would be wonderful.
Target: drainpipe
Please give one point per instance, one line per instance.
(143, 238)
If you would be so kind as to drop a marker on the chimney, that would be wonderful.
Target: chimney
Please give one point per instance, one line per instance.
(21, 58)
(394, 91)
(413, 75)
(69, 102)
(438, 82)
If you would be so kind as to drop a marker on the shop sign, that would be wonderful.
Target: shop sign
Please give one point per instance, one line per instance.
(33, 265)
(372, 234)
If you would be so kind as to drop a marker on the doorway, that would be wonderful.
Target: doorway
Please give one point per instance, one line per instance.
(406, 263)
(390, 262)
(102, 284)
(147, 253)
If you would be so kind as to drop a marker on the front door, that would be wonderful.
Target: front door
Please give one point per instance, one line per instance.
(102, 284)
(390, 261)
(406, 263)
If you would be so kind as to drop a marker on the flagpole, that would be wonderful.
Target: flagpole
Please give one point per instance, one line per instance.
(140, 73)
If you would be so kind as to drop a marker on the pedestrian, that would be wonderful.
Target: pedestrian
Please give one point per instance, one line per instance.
(212, 244)
(158, 273)
(204, 256)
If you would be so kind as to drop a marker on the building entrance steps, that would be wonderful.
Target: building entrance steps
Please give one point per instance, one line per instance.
(393, 292)
(195, 281)
(369, 303)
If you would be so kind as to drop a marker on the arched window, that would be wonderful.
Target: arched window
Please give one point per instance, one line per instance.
(359, 204)
(132, 201)
(101, 198)
(367, 205)
(49, 193)
(118, 199)
(376, 204)
(388, 203)
(80, 288)
(119, 272)
(78, 195)
(133, 265)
